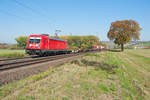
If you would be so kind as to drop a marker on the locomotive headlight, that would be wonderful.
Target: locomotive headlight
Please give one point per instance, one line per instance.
(38, 45)
(29, 45)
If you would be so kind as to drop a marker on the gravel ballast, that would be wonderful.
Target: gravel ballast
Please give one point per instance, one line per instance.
(23, 72)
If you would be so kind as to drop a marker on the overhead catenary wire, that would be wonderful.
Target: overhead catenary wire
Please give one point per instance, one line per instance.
(33, 10)
(10, 14)
(29, 8)
(23, 5)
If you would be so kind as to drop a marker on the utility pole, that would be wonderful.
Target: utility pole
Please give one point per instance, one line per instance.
(56, 32)
(71, 40)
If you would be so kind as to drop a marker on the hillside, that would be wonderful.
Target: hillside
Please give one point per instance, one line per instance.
(132, 44)
(98, 76)
(139, 44)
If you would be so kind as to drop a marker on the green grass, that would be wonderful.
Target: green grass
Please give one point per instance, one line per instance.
(103, 88)
(91, 54)
(105, 75)
(12, 53)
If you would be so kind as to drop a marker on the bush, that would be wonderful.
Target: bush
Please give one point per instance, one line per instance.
(22, 41)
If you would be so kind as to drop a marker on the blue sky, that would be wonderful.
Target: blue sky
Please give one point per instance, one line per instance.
(79, 17)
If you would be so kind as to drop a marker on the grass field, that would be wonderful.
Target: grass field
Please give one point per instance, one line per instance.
(12, 53)
(141, 44)
(99, 76)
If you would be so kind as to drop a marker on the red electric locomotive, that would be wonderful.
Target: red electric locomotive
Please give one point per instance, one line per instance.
(44, 45)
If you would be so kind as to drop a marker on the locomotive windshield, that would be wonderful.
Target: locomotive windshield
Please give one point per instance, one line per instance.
(35, 40)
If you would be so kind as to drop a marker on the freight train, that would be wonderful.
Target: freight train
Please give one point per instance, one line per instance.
(43, 45)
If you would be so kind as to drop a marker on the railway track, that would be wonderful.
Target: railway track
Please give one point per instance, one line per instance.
(25, 62)
(9, 59)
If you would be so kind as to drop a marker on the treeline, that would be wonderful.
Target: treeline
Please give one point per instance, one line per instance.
(81, 42)
(21, 41)
(74, 42)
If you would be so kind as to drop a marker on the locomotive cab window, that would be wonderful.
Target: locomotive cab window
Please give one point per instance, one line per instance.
(35, 40)
(31, 41)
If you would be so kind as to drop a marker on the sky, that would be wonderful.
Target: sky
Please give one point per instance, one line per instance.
(76, 17)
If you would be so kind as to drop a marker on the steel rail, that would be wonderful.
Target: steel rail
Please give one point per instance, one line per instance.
(13, 65)
(9, 59)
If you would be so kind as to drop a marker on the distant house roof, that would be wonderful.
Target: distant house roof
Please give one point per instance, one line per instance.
(53, 38)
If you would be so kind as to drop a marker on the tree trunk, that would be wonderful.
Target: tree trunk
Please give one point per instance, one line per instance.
(122, 47)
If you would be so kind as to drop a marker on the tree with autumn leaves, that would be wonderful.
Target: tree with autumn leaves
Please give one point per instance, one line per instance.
(122, 32)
